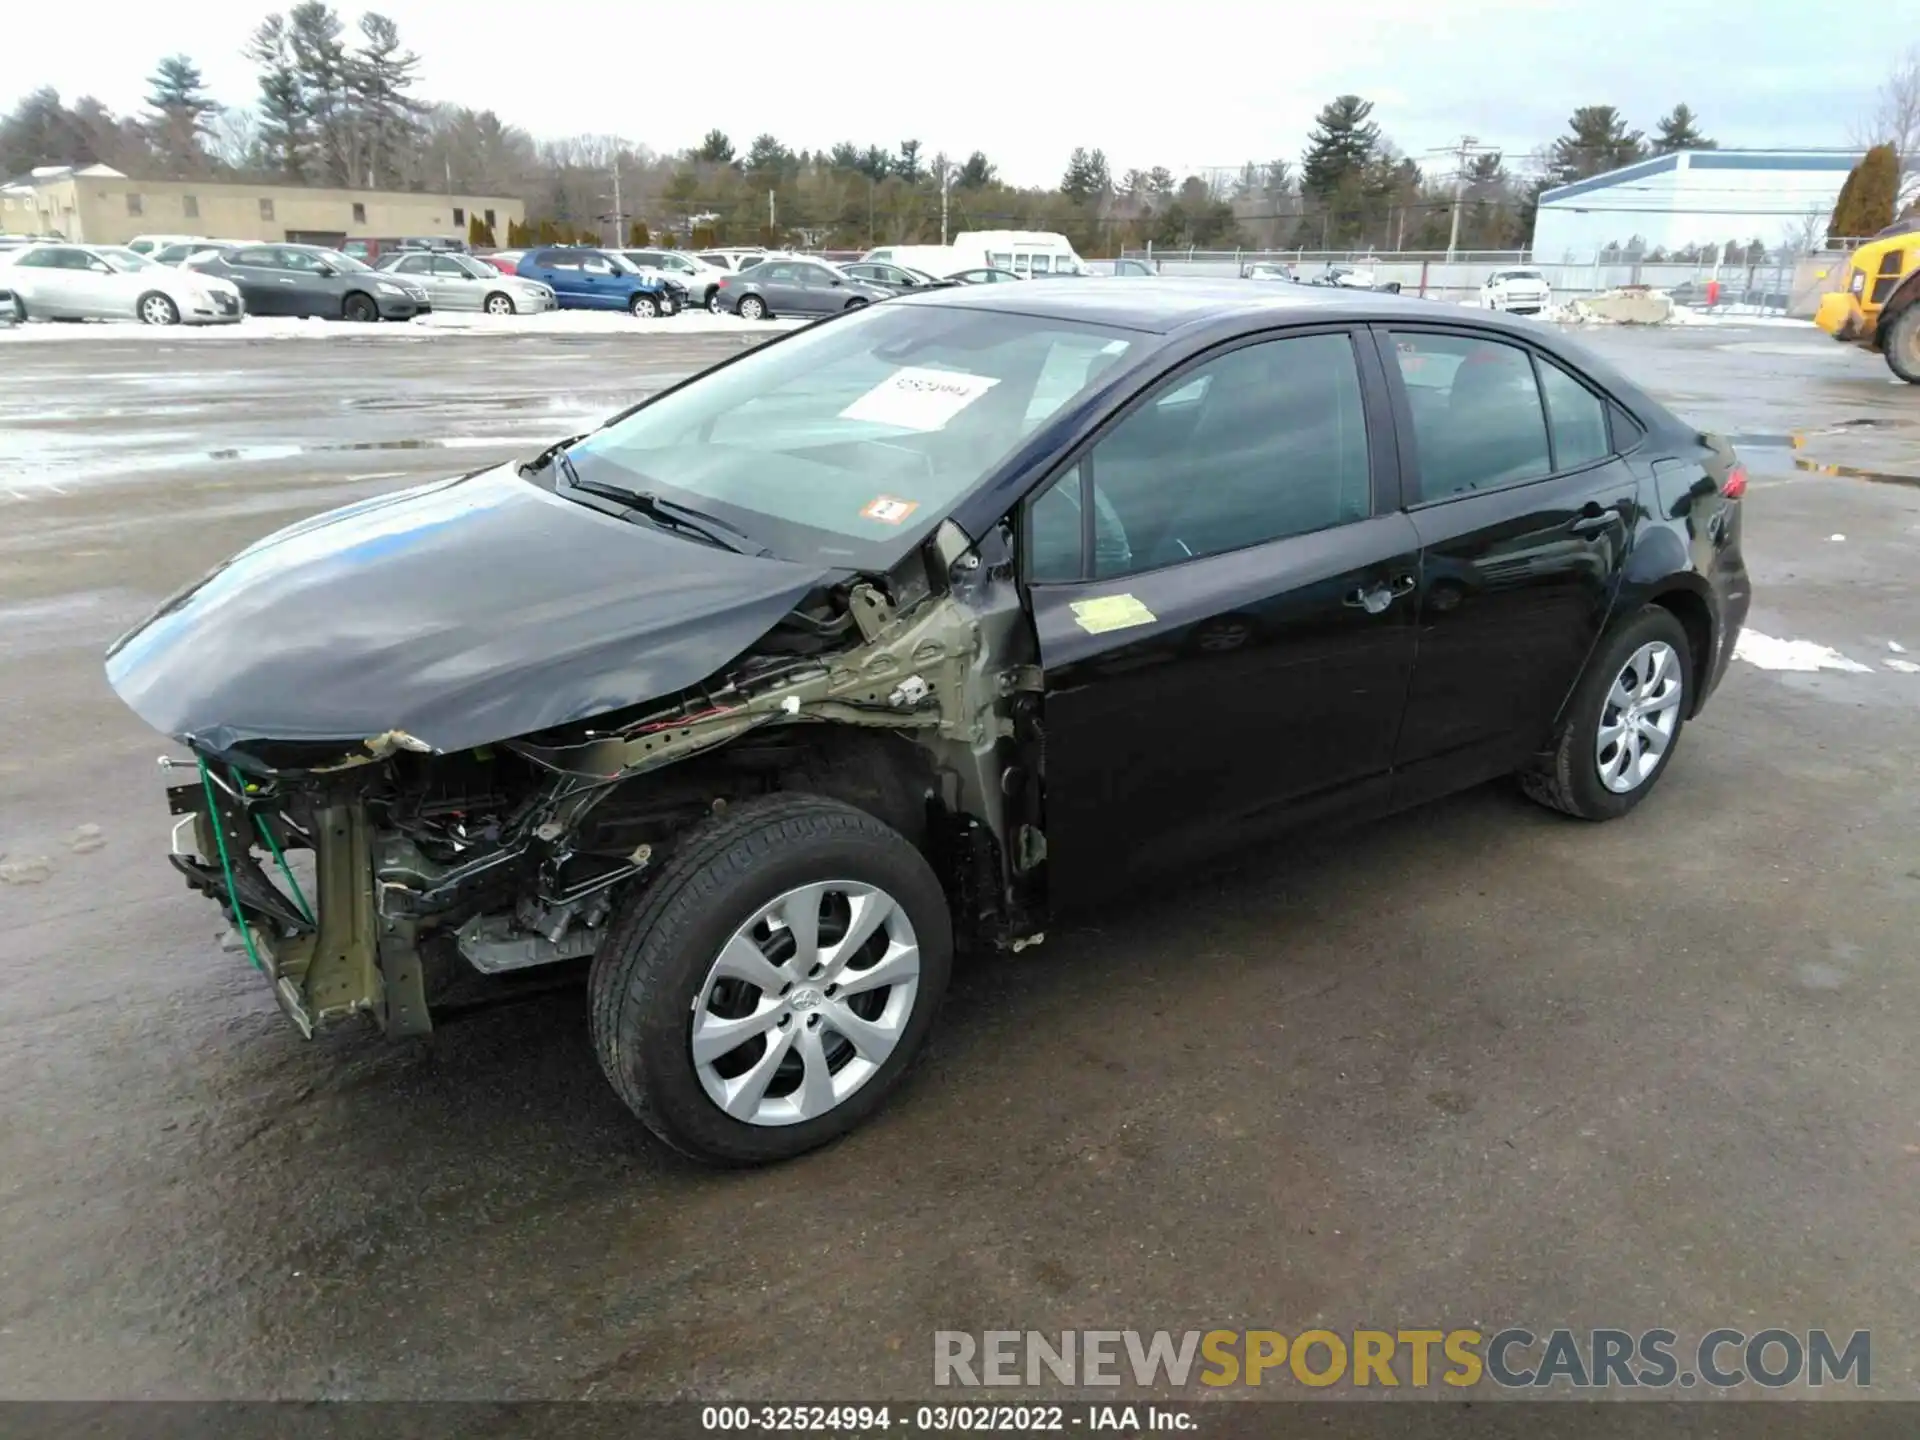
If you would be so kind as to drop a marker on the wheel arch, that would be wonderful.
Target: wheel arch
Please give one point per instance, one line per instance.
(1690, 606)
(1897, 304)
(356, 293)
(145, 295)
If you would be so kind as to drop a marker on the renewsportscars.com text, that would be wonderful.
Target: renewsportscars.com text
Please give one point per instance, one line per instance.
(1512, 1358)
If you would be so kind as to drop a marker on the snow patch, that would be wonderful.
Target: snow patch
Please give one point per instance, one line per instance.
(1800, 655)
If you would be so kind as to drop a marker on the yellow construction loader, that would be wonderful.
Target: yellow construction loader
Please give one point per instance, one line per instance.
(1876, 305)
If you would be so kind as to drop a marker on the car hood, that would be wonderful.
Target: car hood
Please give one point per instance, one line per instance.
(457, 613)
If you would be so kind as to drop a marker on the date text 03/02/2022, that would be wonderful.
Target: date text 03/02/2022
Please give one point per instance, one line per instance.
(940, 1419)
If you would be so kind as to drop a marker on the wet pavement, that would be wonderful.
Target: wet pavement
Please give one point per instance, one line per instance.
(1480, 1065)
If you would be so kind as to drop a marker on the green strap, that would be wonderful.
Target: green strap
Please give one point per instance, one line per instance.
(226, 867)
(266, 834)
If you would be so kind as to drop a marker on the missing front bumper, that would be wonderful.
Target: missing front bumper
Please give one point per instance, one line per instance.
(344, 960)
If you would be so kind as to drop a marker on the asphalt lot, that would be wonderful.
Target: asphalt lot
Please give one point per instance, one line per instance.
(1480, 1065)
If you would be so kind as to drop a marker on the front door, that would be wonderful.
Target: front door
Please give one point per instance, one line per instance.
(1223, 612)
(1524, 514)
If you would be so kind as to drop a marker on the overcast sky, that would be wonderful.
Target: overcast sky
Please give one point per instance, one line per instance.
(1180, 83)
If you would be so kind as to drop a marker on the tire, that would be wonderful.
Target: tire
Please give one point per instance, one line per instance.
(655, 976)
(1571, 778)
(499, 303)
(157, 309)
(1902, 345)
(751, 307)
(359, 308)
(643, 306)
(856, 304)
(710, 302)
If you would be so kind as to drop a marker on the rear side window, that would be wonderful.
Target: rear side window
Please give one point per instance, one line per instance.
(264, 258)
(1478, 423)
(1576, 418)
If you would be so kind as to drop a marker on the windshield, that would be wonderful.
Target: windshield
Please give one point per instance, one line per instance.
(850, 437)
(475, 268)
(340, 262)
(127, 261)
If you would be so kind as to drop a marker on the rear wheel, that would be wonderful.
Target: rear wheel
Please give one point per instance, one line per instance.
(856, 303)
(360, 308)
(766, 993)
(1623, 723)
(499, 303)
(157, 309)
(711, 300)
(751, 307)
(1903, 345)
(643, 306)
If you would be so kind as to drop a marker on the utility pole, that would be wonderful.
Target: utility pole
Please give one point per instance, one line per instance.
(946, 178)
(619, 219)
(1469, 146)
(773, 231)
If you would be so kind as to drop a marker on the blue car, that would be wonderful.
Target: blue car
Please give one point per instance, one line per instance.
(583, 279)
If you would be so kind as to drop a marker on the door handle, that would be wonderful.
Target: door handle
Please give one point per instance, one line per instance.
(285, 280)
(1374, 599)
(1593, 518)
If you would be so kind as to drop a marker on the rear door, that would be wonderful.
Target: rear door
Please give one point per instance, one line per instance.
(779, 282)
(1223, 609)
(266, 285)
(1525, 514)
(46, 280)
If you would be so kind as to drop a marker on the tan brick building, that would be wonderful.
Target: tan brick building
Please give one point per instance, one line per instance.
(97, 205)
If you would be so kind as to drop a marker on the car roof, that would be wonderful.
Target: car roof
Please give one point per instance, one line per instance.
(1163, 305)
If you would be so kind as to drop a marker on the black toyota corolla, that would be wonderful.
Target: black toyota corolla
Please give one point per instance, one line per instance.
(924, 625)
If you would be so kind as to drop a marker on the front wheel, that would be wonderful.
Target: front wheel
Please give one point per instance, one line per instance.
(752, 307)
(360, 309)
(711, 302)
(157, 309)
(1903, 345)
(1623, 723)
(856, 303)
(499, 303)
(643, 307)
(765, 994)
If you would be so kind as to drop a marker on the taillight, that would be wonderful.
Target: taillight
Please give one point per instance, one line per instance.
(725, 280)
(1736, 486)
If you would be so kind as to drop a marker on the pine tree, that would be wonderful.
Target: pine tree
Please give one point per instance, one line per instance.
(320, 63)
(1866, 202)
(182, 114)
(638, 236)
(907, 165)
(977, 173)
(876, 164)
(385, 116)
(1341, 145)
(1679, 129)
(1598, 141)
(715, 149)
(286, 131)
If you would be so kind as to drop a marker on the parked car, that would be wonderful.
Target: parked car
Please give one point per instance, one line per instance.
(181, 251)
(796, 287)
(1520, 292)
(1270, 270)
(985, 275)
(675, 283)
(109, 282)
(745, 694)
(897, 278)
(148, 244)
(700, 279)
(460, 282)
(587, 279)
(1136, 268)
(502, 260)
(1347, 277)
(311, 282)
(733, 259)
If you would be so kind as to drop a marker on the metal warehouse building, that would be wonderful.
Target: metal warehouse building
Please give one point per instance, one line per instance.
(1691, 197)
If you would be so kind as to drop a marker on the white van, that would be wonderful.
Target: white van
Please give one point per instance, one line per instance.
(939, 261)
(1024, 252)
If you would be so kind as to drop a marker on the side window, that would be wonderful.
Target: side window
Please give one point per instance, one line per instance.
(1040, 264)
(1258, 444)
(1477, 418)
(265, 259)
(1576, 417)
(779, 275)
(40, 260)
(415, 265)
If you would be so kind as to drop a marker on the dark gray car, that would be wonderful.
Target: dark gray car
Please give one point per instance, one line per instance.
(311, 281)
(797, 287)
(897, 278)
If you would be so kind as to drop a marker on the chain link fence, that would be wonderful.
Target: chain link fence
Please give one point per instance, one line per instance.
(1783, 281)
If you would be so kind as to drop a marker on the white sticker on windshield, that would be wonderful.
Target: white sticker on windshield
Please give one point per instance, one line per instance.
(915, 398)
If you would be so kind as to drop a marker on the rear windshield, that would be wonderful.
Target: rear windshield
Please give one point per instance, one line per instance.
(849, 438)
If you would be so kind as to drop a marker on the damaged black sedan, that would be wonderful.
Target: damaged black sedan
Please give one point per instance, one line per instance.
(916, 628)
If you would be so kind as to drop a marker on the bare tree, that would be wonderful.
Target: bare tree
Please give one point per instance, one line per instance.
(1807, 234)
(235, 138)
(1894, 119)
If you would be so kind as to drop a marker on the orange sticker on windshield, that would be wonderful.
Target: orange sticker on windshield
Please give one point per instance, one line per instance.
(889, 511)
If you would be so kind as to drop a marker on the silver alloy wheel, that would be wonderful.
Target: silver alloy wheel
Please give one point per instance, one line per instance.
(1641, 712)
(805, 1003)
(752, 308)
(714, 307)
(158, 310)
(644, 307)
(500, 304)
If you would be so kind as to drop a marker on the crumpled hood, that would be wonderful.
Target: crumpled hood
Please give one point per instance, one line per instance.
(461, 612)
